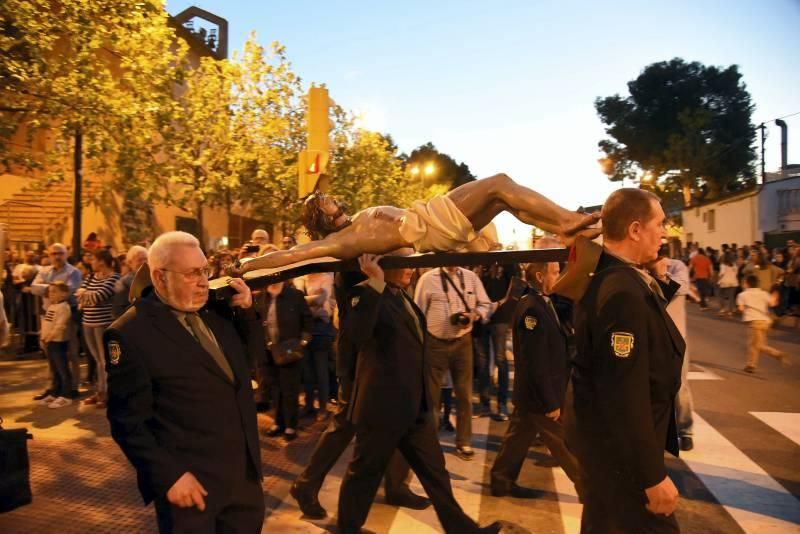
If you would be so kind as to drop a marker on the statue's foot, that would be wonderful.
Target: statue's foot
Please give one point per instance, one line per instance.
(581, 224)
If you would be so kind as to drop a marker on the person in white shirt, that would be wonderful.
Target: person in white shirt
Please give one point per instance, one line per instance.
(55, 337)
(684, 405)
(453, 299)
(754, 304)
(728, 282)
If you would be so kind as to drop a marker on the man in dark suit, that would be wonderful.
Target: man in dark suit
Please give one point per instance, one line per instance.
(391, 401)
(541, 364)
(179, 397)
(336, 438)
(620, 413)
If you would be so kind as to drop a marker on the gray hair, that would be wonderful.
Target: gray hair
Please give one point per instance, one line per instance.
(162, 249)
(134, 251)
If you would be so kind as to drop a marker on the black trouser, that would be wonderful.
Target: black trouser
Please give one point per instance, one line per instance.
(62, 377)
(615, 506)
(285, 389)
(332, 444)
(241, 511)
(521, 432)
(419, 444)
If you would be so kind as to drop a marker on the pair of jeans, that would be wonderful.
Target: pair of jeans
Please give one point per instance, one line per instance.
(317, 370)
(93, 335)
(62, 377)
(454, 355)
(493, 341)
(727, 299)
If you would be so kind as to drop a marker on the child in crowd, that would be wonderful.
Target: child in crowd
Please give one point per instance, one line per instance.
(55, 338)
(754, 303)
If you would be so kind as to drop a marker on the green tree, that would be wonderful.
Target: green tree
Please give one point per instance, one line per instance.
(368, 172)
(686, 122)
(447, 172)
(83, 80)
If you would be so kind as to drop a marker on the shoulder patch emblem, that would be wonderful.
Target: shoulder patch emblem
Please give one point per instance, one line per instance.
(622, 344)
(354, 302)
(530, 322)
(114, 352)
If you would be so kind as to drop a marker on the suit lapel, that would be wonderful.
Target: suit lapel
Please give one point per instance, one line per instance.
(166, 322)
(399, 307)
(218, 328)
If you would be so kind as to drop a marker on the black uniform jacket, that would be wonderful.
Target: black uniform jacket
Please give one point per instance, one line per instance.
(620, 416)
(541, 360)
(171, 408)
(390, 389)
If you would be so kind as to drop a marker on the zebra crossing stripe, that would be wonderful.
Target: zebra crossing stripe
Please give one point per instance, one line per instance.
(754, 499)
(568, 503)
(786, 423)
(702, 374)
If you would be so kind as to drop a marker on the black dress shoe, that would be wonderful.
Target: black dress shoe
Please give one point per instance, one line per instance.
(43, 394)
(274, 431)
(494, 528)
(409, 500)
(687, 443)
(74, 394)
(308, 503)
(515, 490)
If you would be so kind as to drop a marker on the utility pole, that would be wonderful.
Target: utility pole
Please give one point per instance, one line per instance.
(763, 138)
(77, 193)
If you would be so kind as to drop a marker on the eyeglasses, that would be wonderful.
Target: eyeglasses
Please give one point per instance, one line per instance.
(194, 275)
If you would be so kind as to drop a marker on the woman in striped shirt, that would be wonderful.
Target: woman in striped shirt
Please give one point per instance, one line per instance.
(95, 299)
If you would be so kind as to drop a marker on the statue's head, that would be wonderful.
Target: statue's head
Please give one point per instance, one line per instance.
(320, 213)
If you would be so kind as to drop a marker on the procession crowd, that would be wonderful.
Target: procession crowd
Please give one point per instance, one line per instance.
(306, 365)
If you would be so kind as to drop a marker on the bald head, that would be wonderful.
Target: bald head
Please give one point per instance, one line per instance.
(58, 255)
(260, 236)
(625, 206)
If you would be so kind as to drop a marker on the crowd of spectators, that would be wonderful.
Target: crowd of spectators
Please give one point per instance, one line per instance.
(98, 281)
(721, 274)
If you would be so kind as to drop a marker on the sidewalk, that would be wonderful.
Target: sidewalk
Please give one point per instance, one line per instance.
(80, 479)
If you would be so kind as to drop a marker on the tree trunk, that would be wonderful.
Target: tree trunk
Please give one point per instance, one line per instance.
(200, 232)
(77, 194)
(687, 194)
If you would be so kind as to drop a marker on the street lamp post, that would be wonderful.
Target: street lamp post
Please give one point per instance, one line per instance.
(424, 171)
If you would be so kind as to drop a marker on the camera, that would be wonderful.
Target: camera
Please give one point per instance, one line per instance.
(251, 248)
(460, 319)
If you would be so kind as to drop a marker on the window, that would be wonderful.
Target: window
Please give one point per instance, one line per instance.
(710, 220)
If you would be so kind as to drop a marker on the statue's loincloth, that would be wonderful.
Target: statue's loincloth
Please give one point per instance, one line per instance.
(436, 225)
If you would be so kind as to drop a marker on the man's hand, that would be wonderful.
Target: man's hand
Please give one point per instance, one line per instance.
(187, 492)
(369, 266)
(243, 297)
(26, 289)
(554, 415)
(662, 498)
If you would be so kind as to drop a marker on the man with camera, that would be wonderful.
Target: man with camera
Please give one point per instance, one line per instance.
(453, 299)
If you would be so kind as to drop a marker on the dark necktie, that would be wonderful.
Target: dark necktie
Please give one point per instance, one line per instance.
(200, 332)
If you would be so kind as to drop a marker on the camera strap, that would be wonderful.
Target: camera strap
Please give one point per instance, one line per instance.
(447, 278)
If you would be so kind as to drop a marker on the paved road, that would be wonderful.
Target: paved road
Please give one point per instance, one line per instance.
(743, 476)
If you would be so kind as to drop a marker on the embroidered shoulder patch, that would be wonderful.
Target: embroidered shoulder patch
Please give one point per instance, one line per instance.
(622, 344)
(114, 352)
(530, 322)
(354, 302)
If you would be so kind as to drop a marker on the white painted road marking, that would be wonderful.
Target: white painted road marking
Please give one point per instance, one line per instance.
(754, 499)
(787, 424)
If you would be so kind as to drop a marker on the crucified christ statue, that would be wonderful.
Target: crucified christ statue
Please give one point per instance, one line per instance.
(444, 224)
